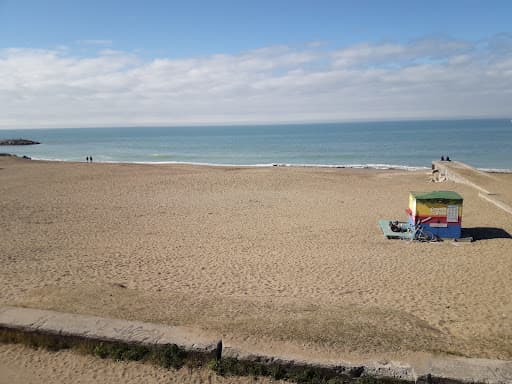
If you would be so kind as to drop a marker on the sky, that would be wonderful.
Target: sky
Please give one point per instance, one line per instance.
(137, 63)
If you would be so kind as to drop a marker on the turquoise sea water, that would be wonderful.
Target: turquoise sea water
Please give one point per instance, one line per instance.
(481, 143)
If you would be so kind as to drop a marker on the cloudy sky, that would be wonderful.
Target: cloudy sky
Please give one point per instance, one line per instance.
(123, 64)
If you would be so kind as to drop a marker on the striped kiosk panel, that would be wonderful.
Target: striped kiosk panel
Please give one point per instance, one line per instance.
(439, 212)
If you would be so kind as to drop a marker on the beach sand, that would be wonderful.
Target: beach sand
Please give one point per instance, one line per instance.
(286, 260)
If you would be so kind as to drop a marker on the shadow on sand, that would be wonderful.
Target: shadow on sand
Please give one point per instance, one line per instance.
(485, 233)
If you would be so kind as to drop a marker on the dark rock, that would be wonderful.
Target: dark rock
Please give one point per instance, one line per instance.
(18, 142)
(13, 155)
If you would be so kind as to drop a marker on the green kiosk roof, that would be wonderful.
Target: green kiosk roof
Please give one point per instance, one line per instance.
(437, 195)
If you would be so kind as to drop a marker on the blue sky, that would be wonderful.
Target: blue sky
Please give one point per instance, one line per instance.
(190, 62)
(184, 28)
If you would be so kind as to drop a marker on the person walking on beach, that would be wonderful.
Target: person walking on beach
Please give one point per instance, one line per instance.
(87, 159)
(90, 158)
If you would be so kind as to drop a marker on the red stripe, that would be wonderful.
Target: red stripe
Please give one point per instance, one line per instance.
(435, 219)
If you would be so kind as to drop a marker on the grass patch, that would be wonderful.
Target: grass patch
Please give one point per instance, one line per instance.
(166, 356)
(293, 373)
(121, 351)
(169, 356)
(172, 356)
(33, 340)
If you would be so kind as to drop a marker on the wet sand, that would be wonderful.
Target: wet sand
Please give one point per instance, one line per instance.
(277, 259)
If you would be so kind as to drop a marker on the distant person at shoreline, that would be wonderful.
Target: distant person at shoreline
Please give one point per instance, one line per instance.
(90, 158)
(87, 159)
(448, 158)
(442, 158)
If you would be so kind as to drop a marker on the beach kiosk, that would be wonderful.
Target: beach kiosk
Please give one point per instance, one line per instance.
(438, 212)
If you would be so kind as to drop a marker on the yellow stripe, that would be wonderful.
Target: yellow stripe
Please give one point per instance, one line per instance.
(430, 209)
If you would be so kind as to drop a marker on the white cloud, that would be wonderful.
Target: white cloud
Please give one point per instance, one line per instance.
(426, 49)
(428, 78)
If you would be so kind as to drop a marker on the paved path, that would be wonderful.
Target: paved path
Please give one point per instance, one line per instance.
(492, 189)
(433, 369)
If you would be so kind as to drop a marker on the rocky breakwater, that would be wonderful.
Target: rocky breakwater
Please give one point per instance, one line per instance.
(18, 142)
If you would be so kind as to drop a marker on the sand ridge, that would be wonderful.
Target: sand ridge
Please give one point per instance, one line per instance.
(270, 257)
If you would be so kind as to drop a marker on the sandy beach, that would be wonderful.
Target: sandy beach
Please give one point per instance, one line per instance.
(274, 259)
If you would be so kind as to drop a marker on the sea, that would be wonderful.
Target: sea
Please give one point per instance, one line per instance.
(482, 143)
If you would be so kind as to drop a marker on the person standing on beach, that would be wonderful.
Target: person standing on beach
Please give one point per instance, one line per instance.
(90, 158)
(87, 159)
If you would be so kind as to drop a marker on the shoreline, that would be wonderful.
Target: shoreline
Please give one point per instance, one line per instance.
(371, 166)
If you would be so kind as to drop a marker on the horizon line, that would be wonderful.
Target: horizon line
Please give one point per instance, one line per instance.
(266, 123)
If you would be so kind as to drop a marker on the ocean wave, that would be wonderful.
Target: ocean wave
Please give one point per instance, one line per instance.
(357, 166)
(37, 158)
(161, 155)
(263, 165)
(495, 170)
(293, 165)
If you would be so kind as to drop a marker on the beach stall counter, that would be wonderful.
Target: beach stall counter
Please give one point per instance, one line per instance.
(438, 212)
